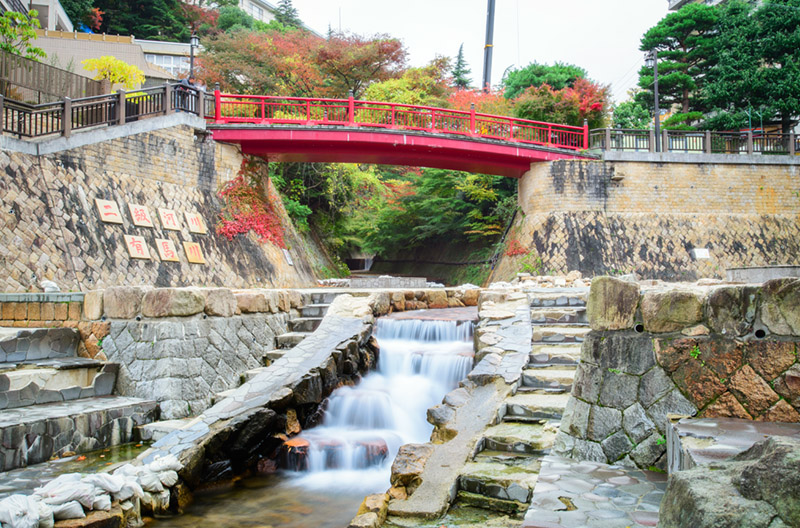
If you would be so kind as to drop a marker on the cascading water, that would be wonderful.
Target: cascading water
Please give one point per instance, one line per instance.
(364, 426)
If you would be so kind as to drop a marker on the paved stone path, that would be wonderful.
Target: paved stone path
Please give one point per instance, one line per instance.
(573, 494)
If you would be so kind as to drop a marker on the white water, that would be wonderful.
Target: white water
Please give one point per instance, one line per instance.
(364, 426)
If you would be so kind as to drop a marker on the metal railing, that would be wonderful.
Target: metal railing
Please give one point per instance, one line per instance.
(695, 142)
(67, 115)
(270, 110)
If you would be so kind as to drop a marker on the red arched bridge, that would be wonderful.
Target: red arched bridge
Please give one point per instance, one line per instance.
(348, 130)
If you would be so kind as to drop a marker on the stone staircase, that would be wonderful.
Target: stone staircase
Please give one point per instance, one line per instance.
(505, 469)
(311, 316)
(54, 402)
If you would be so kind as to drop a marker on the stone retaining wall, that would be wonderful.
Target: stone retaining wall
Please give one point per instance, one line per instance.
(726, 351)
(606, 217)
(51, 228)
(182, 346)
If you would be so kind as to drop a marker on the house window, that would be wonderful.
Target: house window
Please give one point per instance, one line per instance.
(256, 12)
(175, 65)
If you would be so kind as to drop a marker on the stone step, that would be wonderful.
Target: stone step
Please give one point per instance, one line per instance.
(291, 339)
(324, 297)
(29, 344)
(534, 407)
(37, 433)
(155, 431)
(558, 316)
(560, 334)
(31, 385)
(554, 355)
(518, 438)
(548, 378)
(305, 324)
(560, 298)
(497, 486)
(314, 310)
(273, 355)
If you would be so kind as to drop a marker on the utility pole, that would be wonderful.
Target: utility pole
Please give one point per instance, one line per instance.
(651, 60)
(487, 50)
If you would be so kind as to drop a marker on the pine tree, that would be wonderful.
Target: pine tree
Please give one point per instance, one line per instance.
(461, 71)
(287, 14)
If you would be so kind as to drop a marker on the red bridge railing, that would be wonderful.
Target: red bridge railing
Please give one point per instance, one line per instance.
(261, 109)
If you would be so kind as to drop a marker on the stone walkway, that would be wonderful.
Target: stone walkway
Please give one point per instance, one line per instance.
(573, 494)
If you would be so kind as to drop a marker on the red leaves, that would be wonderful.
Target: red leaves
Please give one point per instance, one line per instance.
(515, 248)
(246, 209)
(95, 18)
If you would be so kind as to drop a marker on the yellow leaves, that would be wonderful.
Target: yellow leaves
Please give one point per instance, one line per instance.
(115, 71)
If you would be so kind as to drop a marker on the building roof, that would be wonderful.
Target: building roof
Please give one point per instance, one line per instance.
(68, 50)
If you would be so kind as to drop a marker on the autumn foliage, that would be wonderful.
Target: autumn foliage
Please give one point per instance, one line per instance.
(246, 209)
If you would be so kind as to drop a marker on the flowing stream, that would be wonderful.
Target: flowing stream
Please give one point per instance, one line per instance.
(350, 454)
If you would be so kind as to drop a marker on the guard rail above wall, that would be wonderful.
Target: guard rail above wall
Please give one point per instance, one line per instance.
(694, 142)
(63, 117)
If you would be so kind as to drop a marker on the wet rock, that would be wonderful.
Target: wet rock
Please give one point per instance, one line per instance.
(122, 302)
(619, 390)
(220, 302)
(726, 406)
(470, 297)
(377, 504)
(788, 386)
(636, 423)
(294, 454)
(365, 520)
(437, 299)
(172, 302)
(771, 358)
(780, 306)
(292, 423)
(671, 310)
(780, 412)
(440, 414)
(732, 310)
(408, 466)
(603, 421)
(308, 390)
(612, 304)
(752, 391)
(755, 489)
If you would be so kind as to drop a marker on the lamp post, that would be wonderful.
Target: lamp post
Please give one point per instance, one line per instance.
(651, 61)
(194, 42)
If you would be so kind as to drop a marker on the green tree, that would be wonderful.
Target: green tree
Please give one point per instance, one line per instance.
(684, 41)
(558, 76)
(756, 65)
(633, 115)
(145, 19)
(417, 86)
(461, 71)
(287, 14)
(233, 18)
(17, 31)
(77, 10)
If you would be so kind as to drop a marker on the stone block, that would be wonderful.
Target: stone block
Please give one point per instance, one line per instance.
(587, 382)
(780, 306)
(723, 356)
(408, 466)
(780, 412)
(726, 406)
(437, 299)
(732, 310)
(612, 304)
(74, 311)
(220, 302)
(771, 358)
(251, 301)
(788, 386)
(122, 302)
(619, 390)
(575, 420)
(698, 382)
(616, 446)
(93, 305)
(61, 311)
(647, 452)
(603, 422)
(636, 423)
(752, 391)
(670, 310)
(673, 403)
(34, 311)
(47, 311)
(172, 302)
(21, 311)
(654, 385)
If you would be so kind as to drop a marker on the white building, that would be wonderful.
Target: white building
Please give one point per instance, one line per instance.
(51, 14)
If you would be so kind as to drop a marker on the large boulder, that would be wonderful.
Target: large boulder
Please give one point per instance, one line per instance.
(122, 302)
(93, 305)
(780, 306)
(220, 302)
(172, 302)
(612, 304)
(669, 311)
(755, 489)
(251, 301)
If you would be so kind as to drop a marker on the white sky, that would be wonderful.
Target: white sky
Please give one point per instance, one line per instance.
(601, 36)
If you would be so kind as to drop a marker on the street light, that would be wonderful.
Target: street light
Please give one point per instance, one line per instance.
(194, 42)
(651, 61)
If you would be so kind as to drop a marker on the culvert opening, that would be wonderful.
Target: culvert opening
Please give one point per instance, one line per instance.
(761, 333)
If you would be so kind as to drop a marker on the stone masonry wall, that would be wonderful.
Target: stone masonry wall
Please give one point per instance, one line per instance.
(181, 346)
(602, 217)
(51, 229)
(728, 351)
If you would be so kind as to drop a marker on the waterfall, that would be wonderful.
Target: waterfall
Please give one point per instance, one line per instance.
(364, 426)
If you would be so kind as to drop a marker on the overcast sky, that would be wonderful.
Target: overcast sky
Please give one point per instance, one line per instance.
(601, 36)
